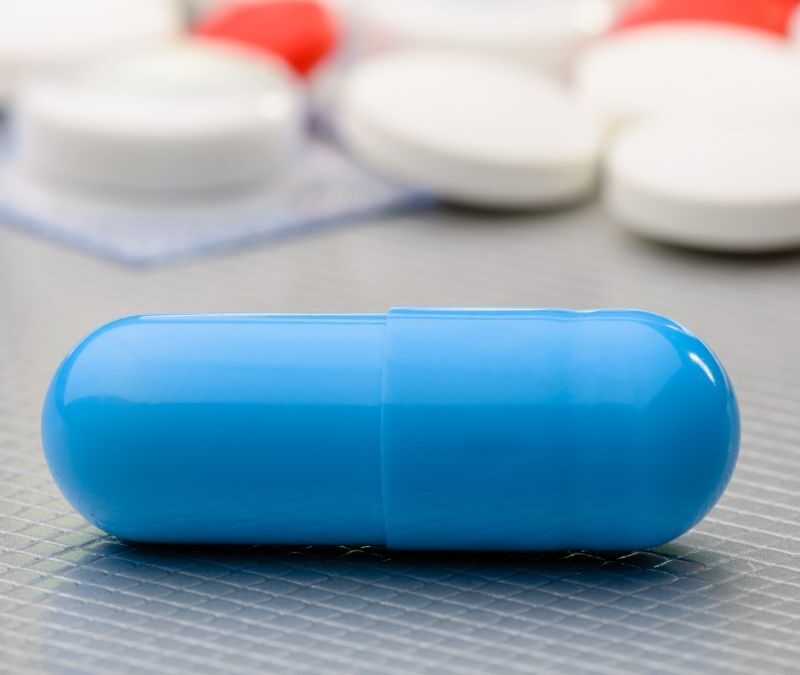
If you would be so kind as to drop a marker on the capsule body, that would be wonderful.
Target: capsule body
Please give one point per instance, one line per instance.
(420, 428)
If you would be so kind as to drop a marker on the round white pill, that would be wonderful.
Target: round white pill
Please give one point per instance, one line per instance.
(727, 183)
(179, 118)
(685, 67)
(472, 128)
(35, 34)
(542, 33)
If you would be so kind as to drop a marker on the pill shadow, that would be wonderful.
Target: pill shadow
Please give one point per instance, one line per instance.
(492, 222)
(788, 257)
(612, 570)
(469, 212)
(146, 565)
(120, 599)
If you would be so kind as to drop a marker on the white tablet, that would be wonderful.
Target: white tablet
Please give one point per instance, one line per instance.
(473, 128)
(184, 117)
(728, 183)
(36, 34)
(542, 33)
(684, 67)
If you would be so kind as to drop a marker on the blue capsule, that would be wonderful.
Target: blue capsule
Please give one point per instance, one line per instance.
(419, 428)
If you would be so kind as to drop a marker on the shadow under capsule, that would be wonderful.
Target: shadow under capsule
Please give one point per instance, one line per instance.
(208, 602)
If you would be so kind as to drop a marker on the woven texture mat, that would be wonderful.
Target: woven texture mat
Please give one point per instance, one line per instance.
(723, 598)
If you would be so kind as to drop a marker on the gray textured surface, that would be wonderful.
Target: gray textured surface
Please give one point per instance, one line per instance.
(723, 598)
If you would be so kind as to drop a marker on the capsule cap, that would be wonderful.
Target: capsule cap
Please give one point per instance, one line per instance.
(548, 429)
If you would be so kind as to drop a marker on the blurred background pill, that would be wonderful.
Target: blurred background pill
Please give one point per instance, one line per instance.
(768, 15)
(36, 34)
(195, 10)
(540, 33)
(724, 182)
(302, 32)
(473, 128)
(794, 25)
(184, 117)
(697, 66)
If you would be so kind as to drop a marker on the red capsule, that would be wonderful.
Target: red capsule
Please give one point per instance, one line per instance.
(302, 32)
(768, 15)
